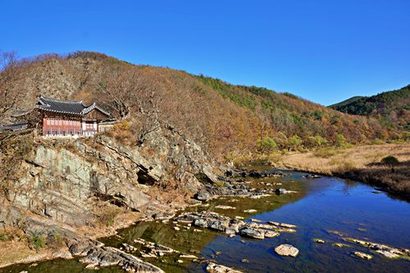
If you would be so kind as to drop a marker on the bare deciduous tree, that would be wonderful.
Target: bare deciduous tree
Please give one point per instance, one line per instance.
(127, 91)
(9, 72)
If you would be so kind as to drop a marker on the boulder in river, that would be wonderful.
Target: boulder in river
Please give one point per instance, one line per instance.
(362, 255)
(224, 207)
(270, 234)
(311, 175)
(201, 223)
(287, 250)
(219, 225)
(281, 191)
(319, 241)
(233, 226)
(382, 249)
(282, 225)
(252, 233)
(389, 254)
(95, 254)
(250, 211)
(340, 245)
(217, 268)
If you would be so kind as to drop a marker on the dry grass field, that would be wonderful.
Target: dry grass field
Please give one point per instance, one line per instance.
(358, 162)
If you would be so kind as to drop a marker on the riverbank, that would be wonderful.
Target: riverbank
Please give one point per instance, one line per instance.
(363, 163)
(17, 247)
(335, 225)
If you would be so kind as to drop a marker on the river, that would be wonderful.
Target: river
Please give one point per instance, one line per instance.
(319, 207)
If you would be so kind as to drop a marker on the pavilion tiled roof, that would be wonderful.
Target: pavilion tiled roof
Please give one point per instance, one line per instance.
(67, 106)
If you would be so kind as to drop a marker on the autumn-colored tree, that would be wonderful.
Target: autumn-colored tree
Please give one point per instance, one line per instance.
(221, 117)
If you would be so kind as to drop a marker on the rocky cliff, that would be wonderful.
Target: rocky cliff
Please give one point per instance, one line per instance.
(64, 181)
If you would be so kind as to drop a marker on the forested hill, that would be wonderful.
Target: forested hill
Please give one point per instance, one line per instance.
(223, 118)
(392, 107)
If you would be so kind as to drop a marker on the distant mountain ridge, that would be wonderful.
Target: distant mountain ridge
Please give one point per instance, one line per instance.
(393, 107)
(347, 102)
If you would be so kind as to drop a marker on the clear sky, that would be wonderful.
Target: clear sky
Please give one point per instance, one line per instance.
(322, 50)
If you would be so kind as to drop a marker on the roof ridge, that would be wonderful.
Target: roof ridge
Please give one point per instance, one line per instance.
(62, 101)
(94, 105)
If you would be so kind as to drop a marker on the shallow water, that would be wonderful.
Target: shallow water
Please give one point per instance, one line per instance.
(331, 204)
(319, 206)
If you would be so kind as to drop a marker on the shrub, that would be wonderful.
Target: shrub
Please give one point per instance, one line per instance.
(390, 160)
(10, 234)
(294, 142)
(37, 240)
(406, 135)
(266, 145)
(377, 141)
(315, 141)
(107, 214)
(124, 132)
(55, 240)
(341, 141)
(219, 184)
(4, 236)
(281, 140)
(317, 115)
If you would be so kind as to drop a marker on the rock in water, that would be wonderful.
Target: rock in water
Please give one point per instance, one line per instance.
(201, 223)
(340, 245)
(224, 207)
(388, 254)
(94, 254)
(216, 268)
(252, 233)
(362, 255)
(281, 191)
(270, 233)
(287, 250)
(219, 225)
(282, 225)
(250, 211)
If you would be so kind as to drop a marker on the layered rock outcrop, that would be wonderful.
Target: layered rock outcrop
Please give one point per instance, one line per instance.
(58, 178)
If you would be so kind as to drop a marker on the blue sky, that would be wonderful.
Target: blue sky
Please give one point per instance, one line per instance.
(322, 50)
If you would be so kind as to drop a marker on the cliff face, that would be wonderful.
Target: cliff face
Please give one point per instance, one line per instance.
(60, 180)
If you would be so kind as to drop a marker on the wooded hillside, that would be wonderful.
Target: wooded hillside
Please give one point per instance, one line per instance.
(392, 107)
(224, 119)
